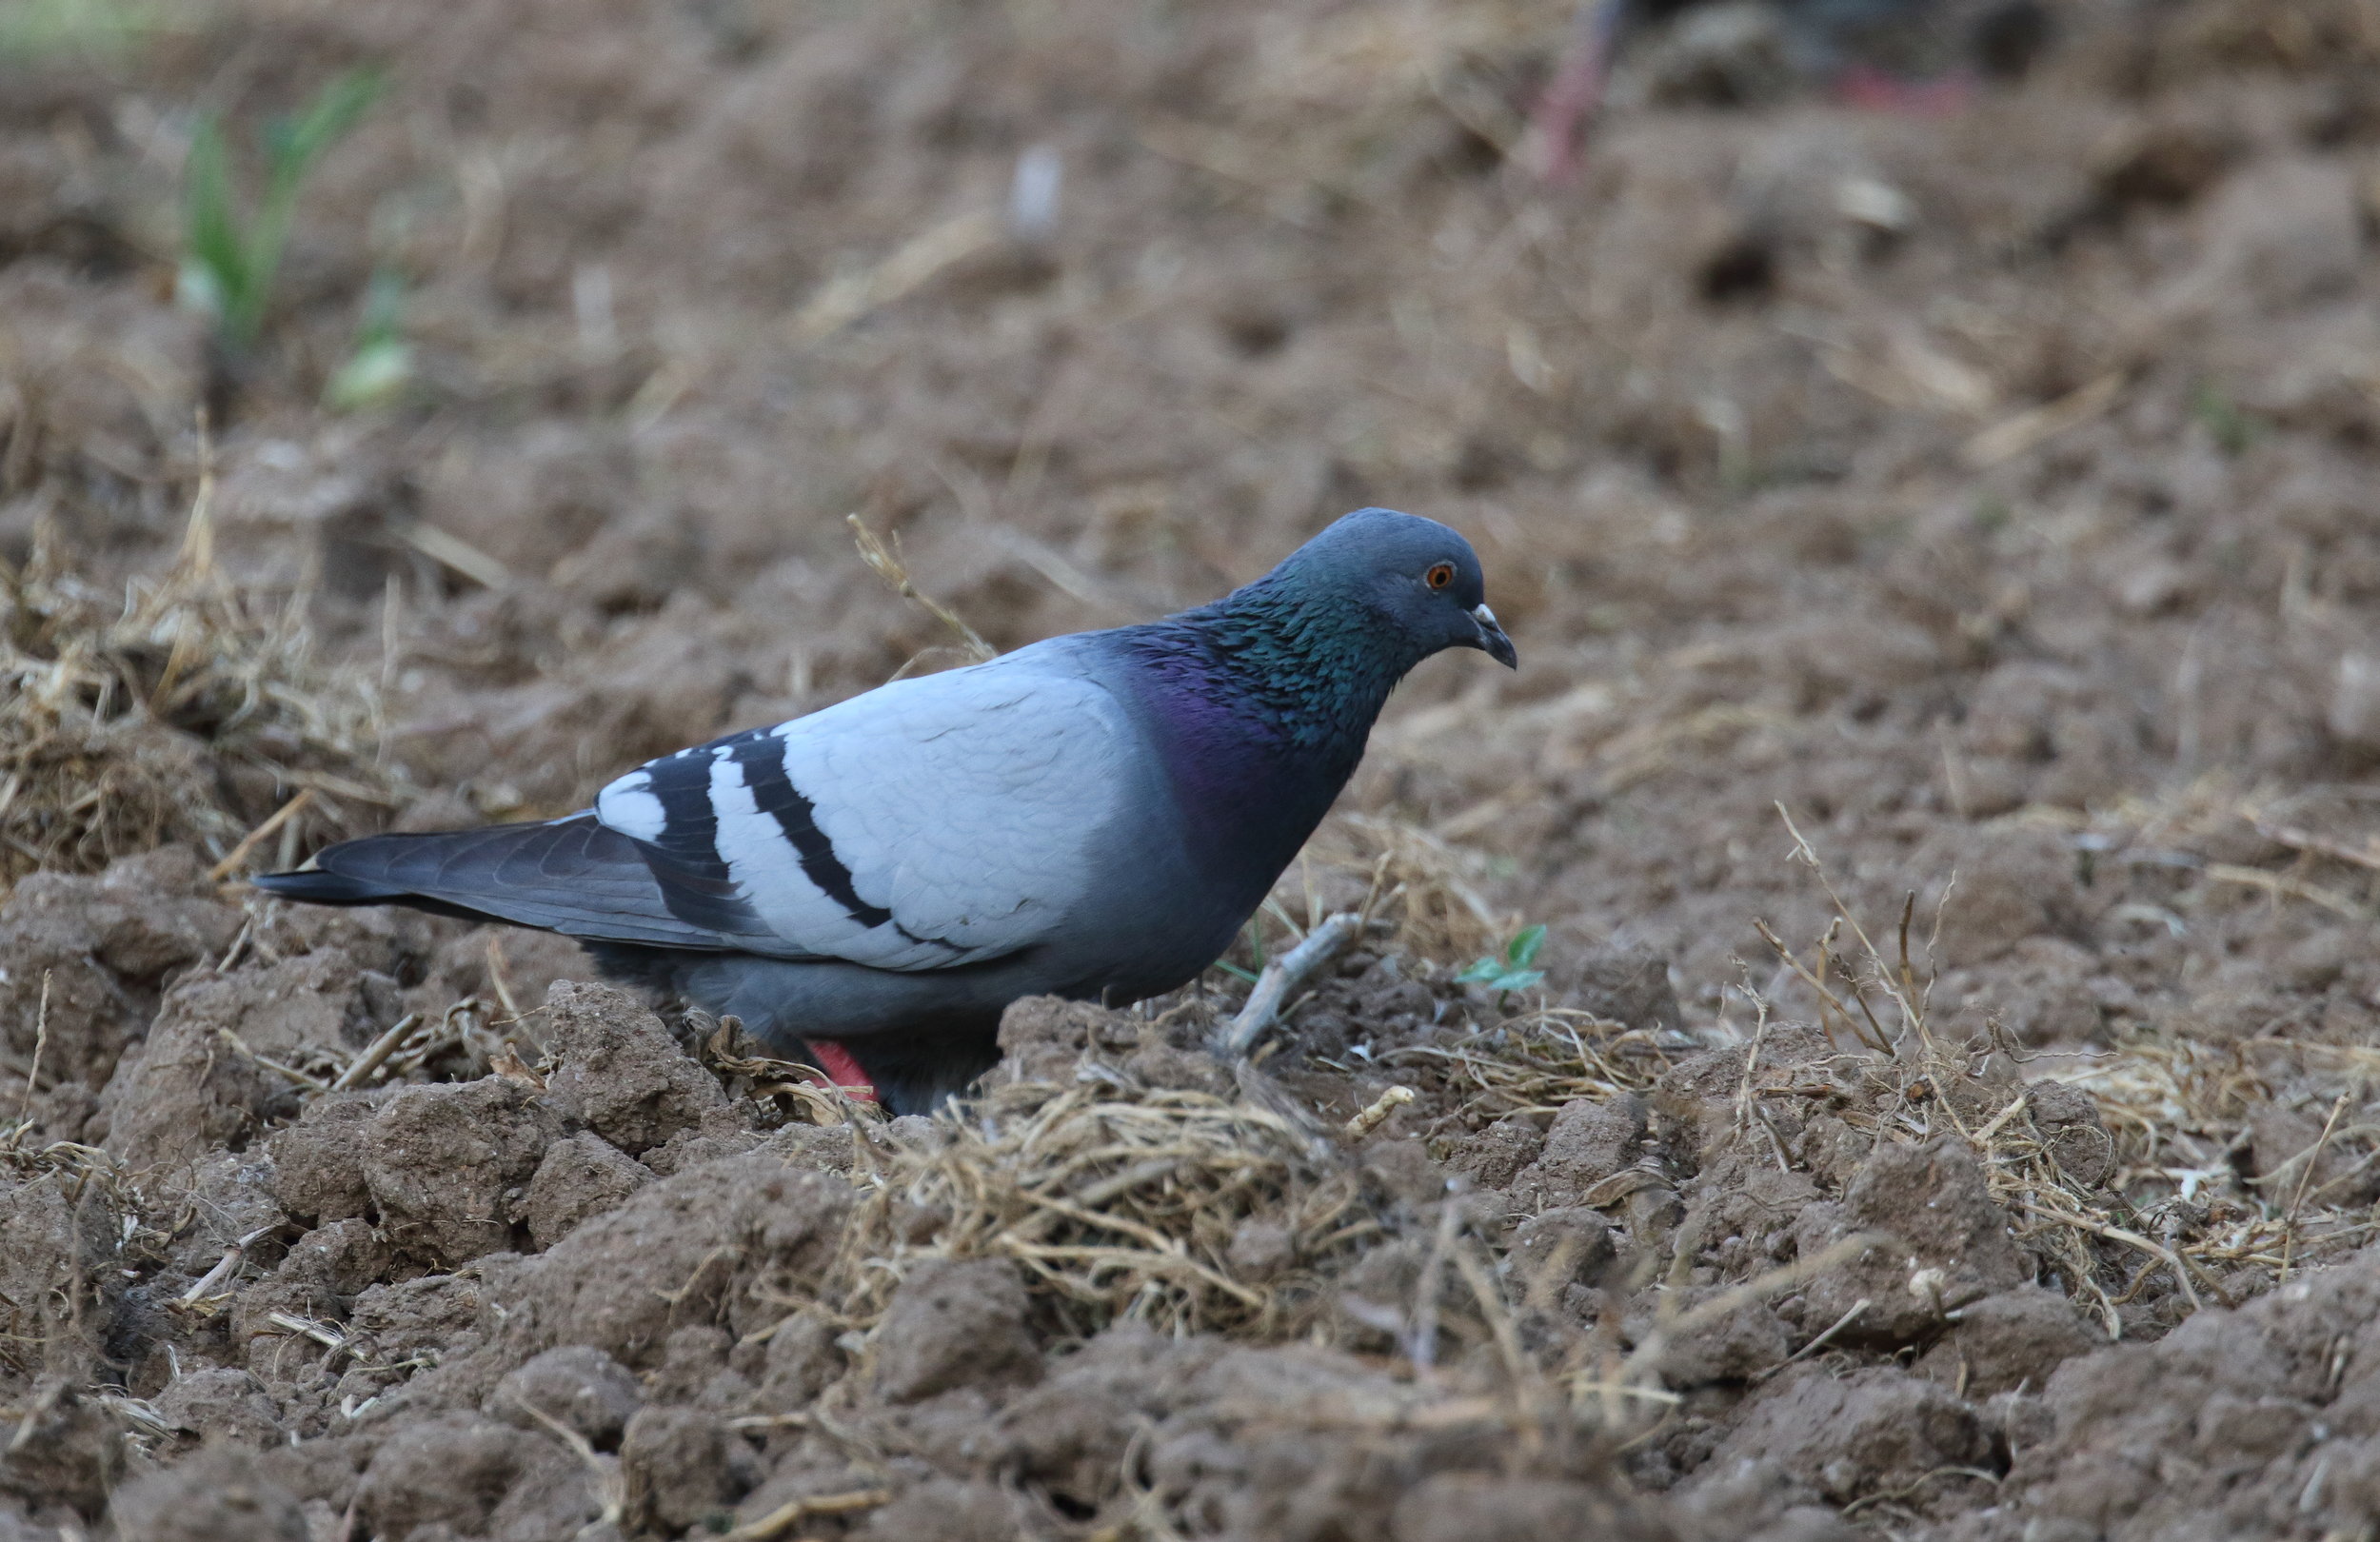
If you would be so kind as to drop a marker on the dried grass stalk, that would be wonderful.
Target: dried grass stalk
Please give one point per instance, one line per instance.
(1538, 1064)
(1396, 871)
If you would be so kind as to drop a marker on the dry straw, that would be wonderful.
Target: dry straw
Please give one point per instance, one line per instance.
(178, 710)
(2169, 1212)
(1118, 1201)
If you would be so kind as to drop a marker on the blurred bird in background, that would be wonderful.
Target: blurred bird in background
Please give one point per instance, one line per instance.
(1921, 56)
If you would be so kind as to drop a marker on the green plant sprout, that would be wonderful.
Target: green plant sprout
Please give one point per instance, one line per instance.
(1254, 932)
(1512, 972)
(228, 258)
(381, 363)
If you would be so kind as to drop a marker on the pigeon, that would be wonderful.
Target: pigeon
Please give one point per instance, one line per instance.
(1915, 57)
(1093, 816)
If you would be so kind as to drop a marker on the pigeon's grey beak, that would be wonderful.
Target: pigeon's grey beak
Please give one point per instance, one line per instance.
(1492, 639)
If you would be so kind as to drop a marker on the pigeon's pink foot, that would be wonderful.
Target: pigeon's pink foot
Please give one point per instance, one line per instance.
(1570, 102)
(1865, 85)
(1549, 146)
(841, 1069)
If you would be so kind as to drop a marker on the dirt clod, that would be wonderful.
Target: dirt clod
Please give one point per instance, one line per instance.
(226, 1405)
(1589, 1143)
(580, 1177)
(459, 1471)
(1873, 1431)
(954, 1323)
(219, 1495)
(107, 947)
(68, 1451)
(713, 1243)
(2073, 1131)
(2010, 1341)
(1626, 985)
(1942, 1244)
(1477, 1507)
(620, 1074)
(577, 1386)
(448, 1168)
(318, 1161)
(200, 1083)
(683, 1466)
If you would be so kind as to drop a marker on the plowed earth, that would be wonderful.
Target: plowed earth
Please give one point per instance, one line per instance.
(1947, 541)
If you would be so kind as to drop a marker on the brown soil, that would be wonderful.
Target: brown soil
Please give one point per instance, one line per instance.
(1942, 538)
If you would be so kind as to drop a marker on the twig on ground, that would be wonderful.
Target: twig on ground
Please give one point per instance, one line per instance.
(240, 1047)
(1822, 1340)
(41, 1042)
(2297, 840)
(255, 837)
(782, 1519)
(1381, 1107)
(450, 550)
(2012, 436)
(377, 1053)
(2305, 1176)
(847, 298)
(1281, 977)
(321, 1334)
(1873, 1034)
(2283, 883)
(224, 1266)
(496, 978)
(1647, 1355)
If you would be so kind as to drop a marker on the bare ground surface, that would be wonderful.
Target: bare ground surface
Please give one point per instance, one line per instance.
(1989, 493)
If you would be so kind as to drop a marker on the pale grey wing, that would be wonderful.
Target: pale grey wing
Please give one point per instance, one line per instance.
(925, 825)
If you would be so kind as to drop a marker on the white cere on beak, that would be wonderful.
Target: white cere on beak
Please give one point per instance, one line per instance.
(1483, 614)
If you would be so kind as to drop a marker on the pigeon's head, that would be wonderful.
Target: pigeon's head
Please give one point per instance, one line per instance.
(1413, 574)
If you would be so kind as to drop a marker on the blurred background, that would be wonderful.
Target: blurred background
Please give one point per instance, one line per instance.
(1954, 422)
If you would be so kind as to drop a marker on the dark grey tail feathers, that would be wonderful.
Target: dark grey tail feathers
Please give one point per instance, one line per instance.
(316, 887)
(571, 876)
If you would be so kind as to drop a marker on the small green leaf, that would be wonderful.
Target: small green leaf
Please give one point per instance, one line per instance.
(1510, 972)
(383, 310)
(1234, 971)
(214, 254)
(228, 258)
(327, 120)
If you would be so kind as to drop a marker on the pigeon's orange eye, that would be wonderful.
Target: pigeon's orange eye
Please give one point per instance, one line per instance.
(1439, 574)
